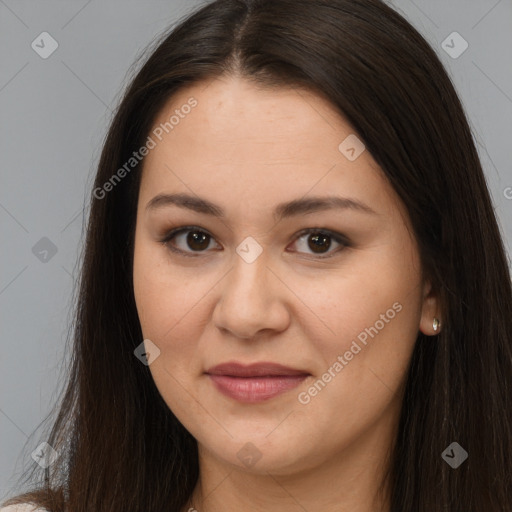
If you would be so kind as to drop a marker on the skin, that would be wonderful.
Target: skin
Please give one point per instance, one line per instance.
(247, 149)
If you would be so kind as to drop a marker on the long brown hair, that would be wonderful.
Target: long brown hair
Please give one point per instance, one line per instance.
(121, 447)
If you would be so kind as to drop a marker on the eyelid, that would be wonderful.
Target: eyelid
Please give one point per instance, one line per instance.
(337, 237)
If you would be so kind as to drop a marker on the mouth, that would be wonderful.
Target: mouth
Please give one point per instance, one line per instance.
(256, 382)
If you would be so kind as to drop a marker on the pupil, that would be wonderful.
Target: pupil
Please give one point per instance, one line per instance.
(318, 240)
(196, 237)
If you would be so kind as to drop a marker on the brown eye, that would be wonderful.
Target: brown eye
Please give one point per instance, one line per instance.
(319, 241)
(190, 238)
(192, 241)
(197, 240)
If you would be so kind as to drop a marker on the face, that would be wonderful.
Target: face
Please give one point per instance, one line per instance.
(243, 280)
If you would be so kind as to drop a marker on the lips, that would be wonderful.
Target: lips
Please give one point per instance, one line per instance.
(264, 369)
(255, 382)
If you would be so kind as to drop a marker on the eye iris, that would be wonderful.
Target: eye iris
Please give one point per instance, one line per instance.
(199, 238)
(318, 240)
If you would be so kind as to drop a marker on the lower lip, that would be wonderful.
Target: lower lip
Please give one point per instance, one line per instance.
(255, 389)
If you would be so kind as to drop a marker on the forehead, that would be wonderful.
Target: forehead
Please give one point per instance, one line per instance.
(261, 143)
(233, 111)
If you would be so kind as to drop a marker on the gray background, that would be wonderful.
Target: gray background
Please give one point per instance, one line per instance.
(54, 113)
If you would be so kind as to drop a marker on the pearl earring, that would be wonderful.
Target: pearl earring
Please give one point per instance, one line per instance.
(436, 324)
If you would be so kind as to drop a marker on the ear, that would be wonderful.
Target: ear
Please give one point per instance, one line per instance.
(430, 310)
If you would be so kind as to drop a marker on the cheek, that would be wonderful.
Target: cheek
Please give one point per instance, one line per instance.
(165, 303)
(362, 366)
(369, 317)
(163, 294)
(168, 301)
(377, 329)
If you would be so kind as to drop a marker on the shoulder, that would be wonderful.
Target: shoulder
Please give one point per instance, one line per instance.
(22, 507)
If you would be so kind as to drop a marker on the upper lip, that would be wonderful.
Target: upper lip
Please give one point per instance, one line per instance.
(263, 369)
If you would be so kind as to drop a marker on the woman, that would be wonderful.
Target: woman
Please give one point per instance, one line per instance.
(294, 293)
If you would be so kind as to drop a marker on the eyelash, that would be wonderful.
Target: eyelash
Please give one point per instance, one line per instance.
(337, 237)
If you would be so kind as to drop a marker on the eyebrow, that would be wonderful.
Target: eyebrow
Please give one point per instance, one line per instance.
(283, 210)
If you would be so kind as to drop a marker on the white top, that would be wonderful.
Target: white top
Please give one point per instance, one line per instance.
(22, 507)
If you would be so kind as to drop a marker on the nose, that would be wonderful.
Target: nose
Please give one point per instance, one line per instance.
(252, 300)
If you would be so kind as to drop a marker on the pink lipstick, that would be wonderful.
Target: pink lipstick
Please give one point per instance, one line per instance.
(255, 382)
